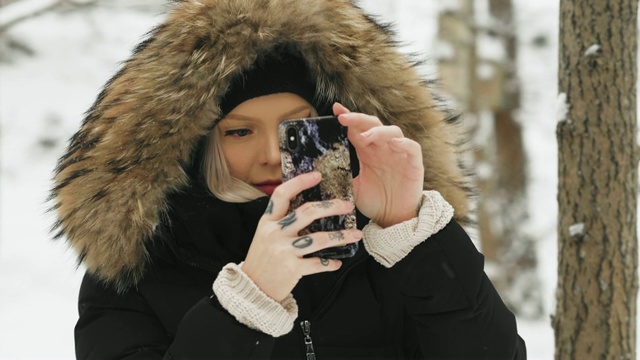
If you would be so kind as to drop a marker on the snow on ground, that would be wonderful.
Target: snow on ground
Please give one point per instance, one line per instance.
(43, 97)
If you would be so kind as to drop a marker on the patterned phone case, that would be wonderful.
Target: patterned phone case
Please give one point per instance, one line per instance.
(321, 145)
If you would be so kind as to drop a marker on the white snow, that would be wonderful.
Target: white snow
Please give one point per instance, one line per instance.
(484, 170)
(485, 71)
(42, 99)
(593, 50)
(444, 50)
(482, 14)
(562, 107)
(576, 229)
(449, 6)
(490, 48)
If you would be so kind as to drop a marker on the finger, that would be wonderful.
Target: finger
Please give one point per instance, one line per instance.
(278, 205)
(381, 135)
(311, 211)
(411, 149)
(311, 243)
(359, 122)
(339, 109)
(317, 265)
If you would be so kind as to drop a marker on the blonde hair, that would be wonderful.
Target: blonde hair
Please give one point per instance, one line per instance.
(216, 173)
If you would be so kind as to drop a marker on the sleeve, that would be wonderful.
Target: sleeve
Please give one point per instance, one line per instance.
(453, 309)
(243, 299)
(390, 245)
(116, 325)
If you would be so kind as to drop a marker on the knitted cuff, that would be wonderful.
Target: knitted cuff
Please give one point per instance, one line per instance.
(242, 298)
(392, 244)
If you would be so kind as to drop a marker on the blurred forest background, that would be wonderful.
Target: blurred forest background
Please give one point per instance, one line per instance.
(497, 61)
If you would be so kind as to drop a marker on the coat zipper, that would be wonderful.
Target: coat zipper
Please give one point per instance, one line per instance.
(306, 324)
(308, 343)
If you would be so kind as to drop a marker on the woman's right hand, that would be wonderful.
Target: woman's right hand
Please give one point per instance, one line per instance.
(275, 260)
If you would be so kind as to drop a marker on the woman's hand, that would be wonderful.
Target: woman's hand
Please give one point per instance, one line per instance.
(275, 260)
(388, 188)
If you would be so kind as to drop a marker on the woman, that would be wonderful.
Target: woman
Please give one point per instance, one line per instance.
(170, 194)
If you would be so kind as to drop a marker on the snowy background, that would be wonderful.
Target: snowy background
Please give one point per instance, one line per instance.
(42, 100)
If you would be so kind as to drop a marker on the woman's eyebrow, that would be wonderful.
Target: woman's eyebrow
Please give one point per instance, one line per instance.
(295, 111)
(284, 116)
(239, 117)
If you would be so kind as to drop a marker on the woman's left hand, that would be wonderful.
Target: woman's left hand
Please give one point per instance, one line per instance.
(388, 189)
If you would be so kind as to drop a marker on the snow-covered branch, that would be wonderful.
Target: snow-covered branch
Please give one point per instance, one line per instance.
(21, 10)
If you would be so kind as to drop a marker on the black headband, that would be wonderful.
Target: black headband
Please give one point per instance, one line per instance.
(272, 74)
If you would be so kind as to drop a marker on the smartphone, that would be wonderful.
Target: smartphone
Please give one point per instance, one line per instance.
(320, 144)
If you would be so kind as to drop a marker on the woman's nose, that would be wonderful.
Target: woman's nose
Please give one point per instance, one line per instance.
(271, 151)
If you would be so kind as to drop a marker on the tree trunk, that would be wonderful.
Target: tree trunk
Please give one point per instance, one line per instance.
(597, 181)
(486, 86)
(504, 211)
(456, 58)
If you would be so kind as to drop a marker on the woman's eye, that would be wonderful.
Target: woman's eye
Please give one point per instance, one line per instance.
(237, 132)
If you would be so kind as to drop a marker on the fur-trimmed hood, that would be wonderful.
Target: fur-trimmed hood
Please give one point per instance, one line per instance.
(135, 145)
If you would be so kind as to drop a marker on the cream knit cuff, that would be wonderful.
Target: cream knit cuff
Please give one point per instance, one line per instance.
(242, 298)
(392, 244)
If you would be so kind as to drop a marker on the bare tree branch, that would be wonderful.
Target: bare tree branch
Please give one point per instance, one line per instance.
(19, 11)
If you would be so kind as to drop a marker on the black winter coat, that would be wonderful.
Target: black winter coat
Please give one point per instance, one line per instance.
(435, 303)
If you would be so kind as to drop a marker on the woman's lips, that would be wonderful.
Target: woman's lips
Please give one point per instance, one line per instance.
(268, 187)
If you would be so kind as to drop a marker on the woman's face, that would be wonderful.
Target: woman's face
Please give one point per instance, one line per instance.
(249, 137)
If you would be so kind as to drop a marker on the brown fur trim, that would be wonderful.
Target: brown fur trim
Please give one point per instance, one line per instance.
(112, 184)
